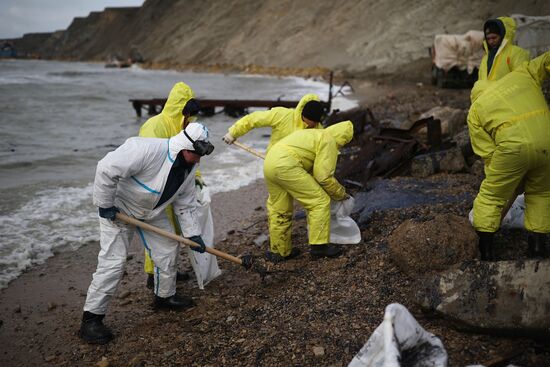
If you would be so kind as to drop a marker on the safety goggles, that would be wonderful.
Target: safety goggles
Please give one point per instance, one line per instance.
(191, 108)
(200, 147)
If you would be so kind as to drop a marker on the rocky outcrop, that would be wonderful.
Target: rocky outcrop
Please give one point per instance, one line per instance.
(498, 297)
(351, 36)
(450, 161)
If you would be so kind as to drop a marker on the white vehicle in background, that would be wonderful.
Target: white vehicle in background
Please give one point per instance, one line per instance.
(533, 33)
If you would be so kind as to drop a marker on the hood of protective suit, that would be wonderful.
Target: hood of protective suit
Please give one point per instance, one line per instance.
(509, 31)
(341, 132)
(195, 130)
(479, 87)
(300, 107)
(177, 99)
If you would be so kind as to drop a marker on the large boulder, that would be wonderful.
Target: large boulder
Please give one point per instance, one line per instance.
(450, 160)
(453, 120)
(496, 297)
(433, 245)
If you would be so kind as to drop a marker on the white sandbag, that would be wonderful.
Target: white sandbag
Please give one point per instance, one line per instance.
(343, 229)
(400, 337)
(204, 265)
(515, 216)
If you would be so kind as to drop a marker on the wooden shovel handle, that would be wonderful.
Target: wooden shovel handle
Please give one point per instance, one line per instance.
(173, 236)
(249, 150)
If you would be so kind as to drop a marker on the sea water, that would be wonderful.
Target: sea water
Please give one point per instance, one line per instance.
(57, 119)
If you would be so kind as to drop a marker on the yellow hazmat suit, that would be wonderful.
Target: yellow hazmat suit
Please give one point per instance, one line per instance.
(509, 125)
(165, 125)
(301, 166)
(282, 121)
(509, 56)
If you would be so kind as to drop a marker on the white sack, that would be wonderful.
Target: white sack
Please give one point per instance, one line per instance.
(343, 229)
(397, 334)
(515, 216)
(205, 265)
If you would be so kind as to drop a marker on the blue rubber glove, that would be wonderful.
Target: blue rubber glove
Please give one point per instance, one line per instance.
(108, 213)
(198, 240)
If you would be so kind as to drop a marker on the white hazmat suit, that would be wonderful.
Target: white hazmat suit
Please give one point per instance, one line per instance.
(132, 179)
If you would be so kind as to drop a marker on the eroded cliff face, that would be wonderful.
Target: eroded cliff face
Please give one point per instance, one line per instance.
(351, 36)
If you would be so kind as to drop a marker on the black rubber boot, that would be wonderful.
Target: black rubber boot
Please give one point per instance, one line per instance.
(150, 281)
(92, 329)
(175, 302)
(485, 245)
(327, 250)
(537, 245)
(276, 258)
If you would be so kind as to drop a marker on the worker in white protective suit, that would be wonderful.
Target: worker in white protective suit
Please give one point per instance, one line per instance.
(141, 178)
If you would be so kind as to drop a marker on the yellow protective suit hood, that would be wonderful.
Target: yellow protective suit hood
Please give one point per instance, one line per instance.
(509, 25)
(298, 122)
(168, 122)
(509, 56)
(341, 132)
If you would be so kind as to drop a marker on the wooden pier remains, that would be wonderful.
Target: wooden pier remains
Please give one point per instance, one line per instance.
(232, 107)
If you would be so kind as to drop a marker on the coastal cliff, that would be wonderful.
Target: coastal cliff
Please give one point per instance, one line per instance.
(353, 37)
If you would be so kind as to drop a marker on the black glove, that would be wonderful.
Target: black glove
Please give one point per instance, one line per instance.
(198, 240)
(108, 213)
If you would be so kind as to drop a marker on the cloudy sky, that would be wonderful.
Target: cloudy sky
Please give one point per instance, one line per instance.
(26, 16)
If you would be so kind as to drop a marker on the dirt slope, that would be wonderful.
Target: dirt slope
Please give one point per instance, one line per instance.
(352, 36)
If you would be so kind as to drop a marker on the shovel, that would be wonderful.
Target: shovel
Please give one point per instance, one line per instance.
(249, 150)
(246, 261)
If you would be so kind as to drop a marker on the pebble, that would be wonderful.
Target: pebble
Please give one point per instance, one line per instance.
(319, 351)
(126, 302)
(49, 358)
(124, 294)
(137, 361)
(230, 318)
(51, 306)
(103, 363)
(169, 354)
